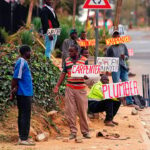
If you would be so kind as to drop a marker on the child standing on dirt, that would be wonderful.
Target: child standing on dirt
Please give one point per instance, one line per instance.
(23, 88)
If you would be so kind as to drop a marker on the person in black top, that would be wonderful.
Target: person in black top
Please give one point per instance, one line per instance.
(49, 21)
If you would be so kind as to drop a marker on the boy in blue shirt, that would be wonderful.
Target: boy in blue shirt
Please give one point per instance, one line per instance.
(23, 88)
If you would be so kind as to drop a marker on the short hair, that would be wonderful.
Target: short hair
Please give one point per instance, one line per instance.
(83, 32)
(75, 47)
(82, 50)
(116, 32)
(72, 31)
(24, 49)
(104, 76)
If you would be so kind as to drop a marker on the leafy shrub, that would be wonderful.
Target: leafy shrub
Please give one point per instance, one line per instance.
(66, 26)
(37, 23)
(44, 73)
(106, 33)
(6, 72)
(4, 35)
(27, 38)
(57, 53)
(102, 43)
(64, 35)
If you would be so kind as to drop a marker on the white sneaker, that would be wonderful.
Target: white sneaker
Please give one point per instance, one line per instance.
(26, 142)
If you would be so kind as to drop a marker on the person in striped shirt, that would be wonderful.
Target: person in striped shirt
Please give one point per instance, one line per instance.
(75, 95)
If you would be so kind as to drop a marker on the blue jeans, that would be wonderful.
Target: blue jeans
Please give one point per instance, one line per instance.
(123, 75)
(50, 45)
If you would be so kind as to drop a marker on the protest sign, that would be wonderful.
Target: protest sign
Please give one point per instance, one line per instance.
(121, 28)
(109, 64)
(84, 43)
(85, 70)
(119, 40)
(54, 31)
(131, 52)
(121, 89)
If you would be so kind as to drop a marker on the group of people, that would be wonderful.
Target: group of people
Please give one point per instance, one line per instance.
(77, 102)
(76, 99)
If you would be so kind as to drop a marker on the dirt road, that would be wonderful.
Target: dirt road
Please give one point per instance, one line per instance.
(138, 138)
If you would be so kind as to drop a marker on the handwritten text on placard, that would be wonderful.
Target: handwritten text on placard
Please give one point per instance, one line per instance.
(88, 70)
(84, 43)
(119, 40)
(122, 89)
(55, 31)
(108, 64)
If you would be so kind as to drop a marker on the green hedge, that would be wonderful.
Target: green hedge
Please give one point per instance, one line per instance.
(44, 73)
(66, 26)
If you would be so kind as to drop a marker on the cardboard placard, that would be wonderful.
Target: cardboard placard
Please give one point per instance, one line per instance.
(121, 89)
(85, 70)
(121, 28)
(55, 31)
(131, 52)
(84, 43)
(119, 40)
(108, 64)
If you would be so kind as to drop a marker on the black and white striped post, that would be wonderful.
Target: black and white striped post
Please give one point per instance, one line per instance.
(146, 89)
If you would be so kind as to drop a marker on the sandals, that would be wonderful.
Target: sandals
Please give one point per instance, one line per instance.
(109, 123)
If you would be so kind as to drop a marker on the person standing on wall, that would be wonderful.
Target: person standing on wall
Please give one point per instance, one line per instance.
(49, 21)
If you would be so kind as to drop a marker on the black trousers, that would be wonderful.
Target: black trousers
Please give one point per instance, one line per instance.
(109, 106)
(24, 115)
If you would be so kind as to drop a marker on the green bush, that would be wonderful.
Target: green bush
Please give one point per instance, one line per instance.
(44, 73)
(4, 34)
(37, 23)
(57, 53)
(66, 26)
(64, 35)
(106, 33)
(27, 38)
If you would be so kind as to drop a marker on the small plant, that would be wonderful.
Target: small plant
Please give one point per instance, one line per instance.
(106, 33)
(57, 53)
(27, 38)
(66, 26)
(37, 23)
(4, 35)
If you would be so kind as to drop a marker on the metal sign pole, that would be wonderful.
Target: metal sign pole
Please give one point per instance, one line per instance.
(96, 36)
